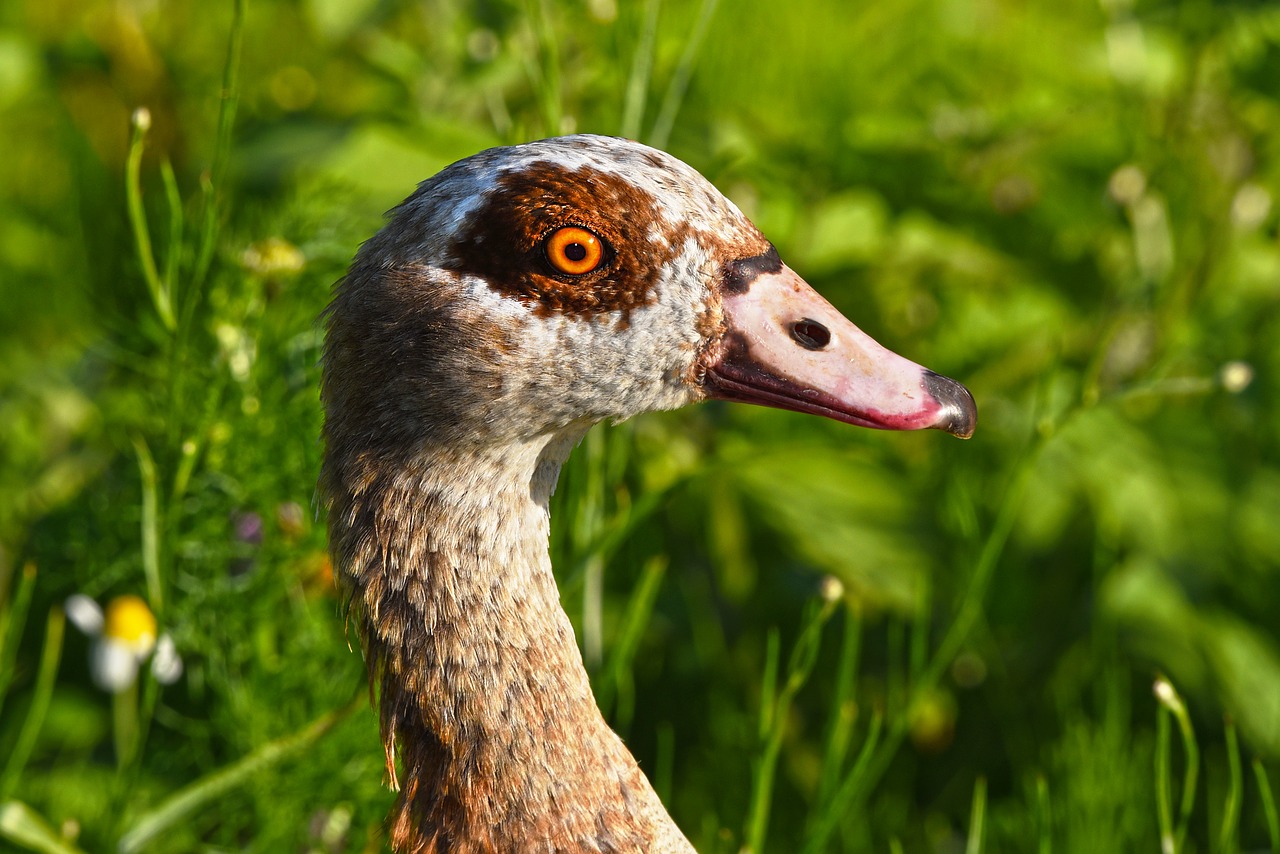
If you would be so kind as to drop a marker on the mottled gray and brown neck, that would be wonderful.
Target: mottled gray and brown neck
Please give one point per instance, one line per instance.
(482, 685)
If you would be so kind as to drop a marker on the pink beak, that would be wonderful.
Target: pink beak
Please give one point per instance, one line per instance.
(787, 347)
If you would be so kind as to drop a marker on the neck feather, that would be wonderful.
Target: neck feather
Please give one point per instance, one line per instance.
(444, 557)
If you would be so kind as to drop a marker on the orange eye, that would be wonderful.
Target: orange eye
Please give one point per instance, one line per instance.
(574, 251)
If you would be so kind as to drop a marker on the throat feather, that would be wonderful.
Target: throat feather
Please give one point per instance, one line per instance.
(481, 681)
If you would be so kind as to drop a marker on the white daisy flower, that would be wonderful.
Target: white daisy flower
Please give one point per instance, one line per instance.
(124, 638)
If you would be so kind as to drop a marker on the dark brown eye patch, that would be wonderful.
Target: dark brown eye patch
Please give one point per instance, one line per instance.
(507, 240)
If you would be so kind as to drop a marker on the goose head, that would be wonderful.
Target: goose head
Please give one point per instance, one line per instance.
(515, 299)
(544, 287)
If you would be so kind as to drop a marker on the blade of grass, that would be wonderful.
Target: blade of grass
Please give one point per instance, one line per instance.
(614, 534)
(1235, 788)
(186, 801)
(45, 677)
(1044, 816)
(977, 817)
(641, 70)
(969, 611)
(639, 611)
(665, 762)
(773, 721)
(173, 254)
(131, 718)
(1172, 838)
(1190, 772)
(228, 100)
(138, 221)
(844, 710)
(850, 789)
(190, 447)
(1164, 788)
(671, 103)
(550, 97)
(13, 620)
(124, 726)
(150, 524)
(611, 536)
(23, 826)
(229, 96)
(177, 377)
(1268, 805)
(769, 683)
(762, 777)
(976, 590)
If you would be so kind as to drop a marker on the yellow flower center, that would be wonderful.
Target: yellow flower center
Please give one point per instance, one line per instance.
(273, 257)
(130, 622)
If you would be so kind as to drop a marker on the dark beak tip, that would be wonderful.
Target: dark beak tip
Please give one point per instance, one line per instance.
(959, 414)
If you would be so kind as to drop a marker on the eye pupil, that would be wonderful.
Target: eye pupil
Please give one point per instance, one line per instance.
(574, 251)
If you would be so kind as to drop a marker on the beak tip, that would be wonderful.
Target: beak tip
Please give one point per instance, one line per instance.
(959, 415)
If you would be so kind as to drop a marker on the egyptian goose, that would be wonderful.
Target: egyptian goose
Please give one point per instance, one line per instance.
(513, 301)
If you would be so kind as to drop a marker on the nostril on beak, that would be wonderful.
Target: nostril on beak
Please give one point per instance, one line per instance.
(810, 334)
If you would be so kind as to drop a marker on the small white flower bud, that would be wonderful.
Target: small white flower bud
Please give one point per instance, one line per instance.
(832, 588)
(1168, 697)
(1236, 376)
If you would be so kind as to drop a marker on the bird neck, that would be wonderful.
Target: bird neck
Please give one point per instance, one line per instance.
(482, 684)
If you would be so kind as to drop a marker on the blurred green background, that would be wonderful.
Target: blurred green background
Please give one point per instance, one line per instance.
(1069, 206)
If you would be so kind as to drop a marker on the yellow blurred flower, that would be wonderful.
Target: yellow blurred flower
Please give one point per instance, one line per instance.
(125, 636)
(273, 256)
(932, 721)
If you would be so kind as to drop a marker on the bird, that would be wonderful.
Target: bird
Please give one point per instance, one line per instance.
(511, 302)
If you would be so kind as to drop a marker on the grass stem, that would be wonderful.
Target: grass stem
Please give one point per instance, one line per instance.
(639, 611)
(43, 693)
(977, 817)
(641, 71)
(228, 101)
(13, 619)
(150, 524)
(1227, 836)
(773, 721)
(1269, 810)
(550, 96)
(124, 725)
(850, 790)
(186, 801)
(674, 98)
(1044, 817)
(1164, 789)
(1172, 837)
(159, 291)
(844, 709)
(23, 826)
(1190, 772)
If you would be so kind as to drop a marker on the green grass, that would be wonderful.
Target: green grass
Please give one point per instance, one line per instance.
(814, 638)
